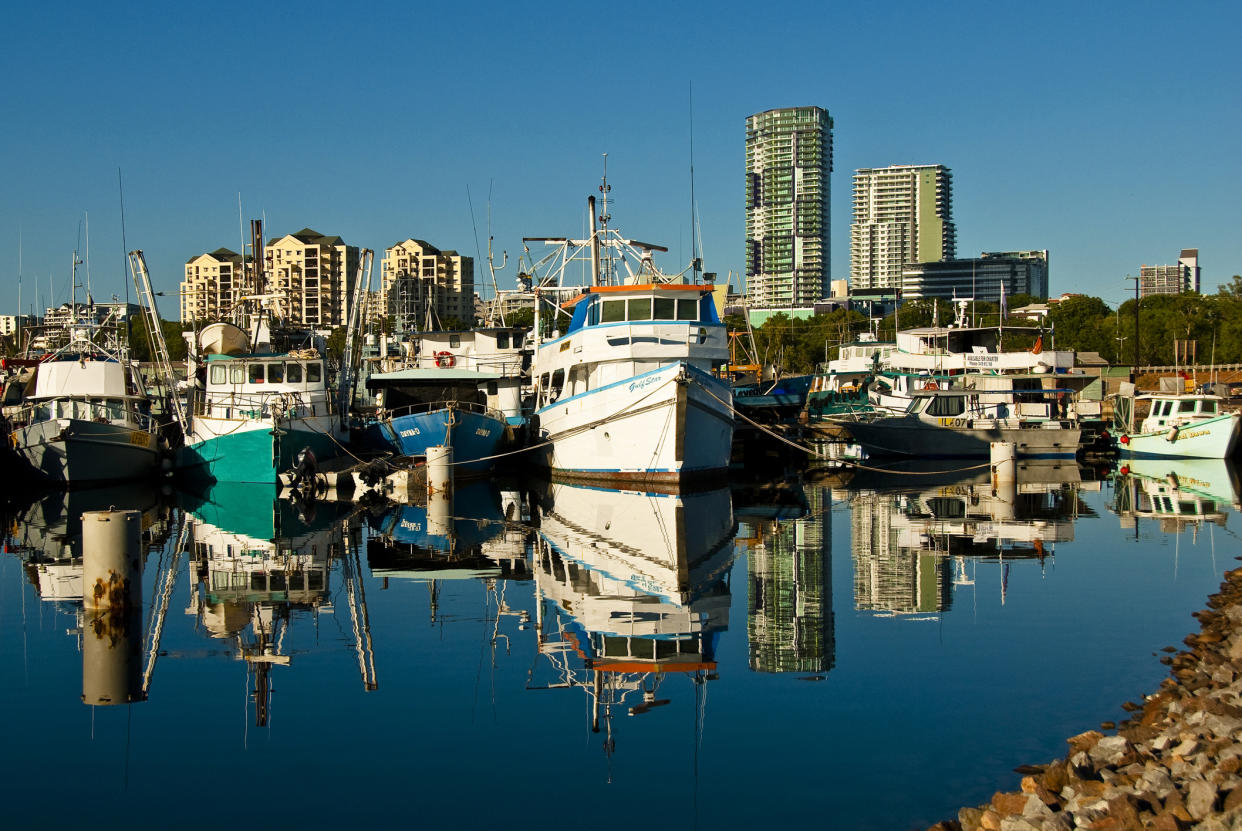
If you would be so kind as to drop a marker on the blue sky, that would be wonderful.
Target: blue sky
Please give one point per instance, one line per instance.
(1107, 133)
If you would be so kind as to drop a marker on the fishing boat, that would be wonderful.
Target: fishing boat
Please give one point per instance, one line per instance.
(623, 367)
(842, 382)
(1178, 425)
(930, 356)
(457, 389)
(88, 420)
(963, 422)
(252, 412)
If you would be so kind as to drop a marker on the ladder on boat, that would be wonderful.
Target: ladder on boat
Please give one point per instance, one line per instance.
(353, 353)
(155, 332)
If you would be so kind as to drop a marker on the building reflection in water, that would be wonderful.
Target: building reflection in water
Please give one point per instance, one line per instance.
(788, 542)
(631, 588)
(912, 543)
(258, 564)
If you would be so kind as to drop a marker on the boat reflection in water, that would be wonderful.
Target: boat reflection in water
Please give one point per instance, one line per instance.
(1179, 493)
(788, 540)
(116, 664)
(475, 534)
(630, 588)
(258, 564)
(913, 544)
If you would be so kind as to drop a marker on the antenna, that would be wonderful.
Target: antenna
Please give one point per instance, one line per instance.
(694, 237)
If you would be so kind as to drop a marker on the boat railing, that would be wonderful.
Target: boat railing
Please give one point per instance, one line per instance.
(99, 411)
(252, 406)
(431, 406)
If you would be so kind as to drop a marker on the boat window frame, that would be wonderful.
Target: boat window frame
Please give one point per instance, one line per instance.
(291, 369)
(1187, 406)
(692, 305)
(314, 372)
(663, 308)
(255, 373)
(608, 309)
(218, 375)
(633, 304)
(276, 372)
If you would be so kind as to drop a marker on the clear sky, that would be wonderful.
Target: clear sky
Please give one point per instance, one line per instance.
(1109, 133)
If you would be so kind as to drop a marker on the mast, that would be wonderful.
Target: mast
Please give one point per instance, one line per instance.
(594, 241)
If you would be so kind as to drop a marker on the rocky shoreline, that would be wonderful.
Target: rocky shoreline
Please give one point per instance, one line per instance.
(1175, 763)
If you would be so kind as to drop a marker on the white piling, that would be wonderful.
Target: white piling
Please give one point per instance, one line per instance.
(112, 607)
(1004, 457)
(440, 490)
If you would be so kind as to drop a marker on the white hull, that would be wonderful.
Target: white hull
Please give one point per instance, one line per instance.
(672, 423)
(1208, 439)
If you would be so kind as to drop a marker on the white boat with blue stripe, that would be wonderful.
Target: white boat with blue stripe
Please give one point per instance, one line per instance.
(624, 390)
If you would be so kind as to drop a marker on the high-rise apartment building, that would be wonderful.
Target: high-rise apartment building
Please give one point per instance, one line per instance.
(788, 166)
(212, 287)
(315, 274)
(1171, 279)
(902, 214)
(419, 280)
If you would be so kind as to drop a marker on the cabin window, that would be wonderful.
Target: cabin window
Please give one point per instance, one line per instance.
(219, 374)
(1209, 407)
(687, 308)
(613, 311)
(1186, 406)
(493, 388)
(276, 373)
(237, 374)
(314, 373)
(454, 341)
(293, 373)
(518, 340)
(665, 308)
(558, 383)
(639, 308)
(947, 405)
(502, 340)
(256, 373)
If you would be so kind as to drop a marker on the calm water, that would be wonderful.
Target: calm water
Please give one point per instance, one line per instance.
(863, 654)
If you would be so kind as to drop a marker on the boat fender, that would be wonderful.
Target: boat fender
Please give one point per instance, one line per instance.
(931, 385)
(445, 360)
(1172, 434)
(1125, 439)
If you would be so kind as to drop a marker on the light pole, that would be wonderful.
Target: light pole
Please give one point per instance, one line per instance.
(1136, 321)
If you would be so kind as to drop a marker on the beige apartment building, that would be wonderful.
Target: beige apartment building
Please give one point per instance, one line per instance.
(420, 283)
(315, 274)
(212, 286)
(312, 275)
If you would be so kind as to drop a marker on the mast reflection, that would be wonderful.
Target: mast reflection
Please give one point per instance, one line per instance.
(257, 565)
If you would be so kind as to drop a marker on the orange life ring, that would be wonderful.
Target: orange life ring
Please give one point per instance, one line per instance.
(445, 360)
(931, 385)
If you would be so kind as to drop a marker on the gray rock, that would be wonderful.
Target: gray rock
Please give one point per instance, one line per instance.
(1158, 782)
(1019, 824)
(1035, 808)
(1223, 726)
(1201, 798)
(1186, 748)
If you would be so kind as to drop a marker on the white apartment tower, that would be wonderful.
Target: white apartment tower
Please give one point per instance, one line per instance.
(903, 214)
(421, 281)
(788, 165)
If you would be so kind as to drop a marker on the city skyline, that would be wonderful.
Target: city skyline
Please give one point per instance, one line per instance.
(1078, 146)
